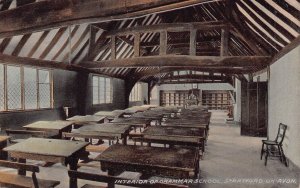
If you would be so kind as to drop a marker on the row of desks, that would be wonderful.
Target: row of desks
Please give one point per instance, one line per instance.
(181, 162)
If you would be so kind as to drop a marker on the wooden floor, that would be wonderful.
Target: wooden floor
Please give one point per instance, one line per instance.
(228, 155)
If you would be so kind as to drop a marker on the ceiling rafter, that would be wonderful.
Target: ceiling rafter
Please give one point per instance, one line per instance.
(181, 61)
(67, 12)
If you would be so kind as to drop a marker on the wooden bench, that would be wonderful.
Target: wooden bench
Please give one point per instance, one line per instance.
(24, 134)
(19, 181)
(113, 179)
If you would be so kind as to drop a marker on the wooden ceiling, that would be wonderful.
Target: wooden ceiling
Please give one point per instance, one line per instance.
(148, 40)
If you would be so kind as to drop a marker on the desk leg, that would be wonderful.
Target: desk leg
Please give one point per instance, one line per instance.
(73, 166)
(22, 172)
(3, 154)
(124, 140)
(111, 184)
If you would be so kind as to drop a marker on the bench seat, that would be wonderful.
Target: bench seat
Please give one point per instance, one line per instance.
(13, 180)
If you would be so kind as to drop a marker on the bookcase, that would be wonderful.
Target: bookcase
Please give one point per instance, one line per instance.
(216, 99)
(213, 99)
(173, 98)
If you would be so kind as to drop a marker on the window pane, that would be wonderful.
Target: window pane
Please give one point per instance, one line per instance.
(44, 89)
(95, 90)
(102, 89)
(30, 86)
(107, 88)
(1, 87)
(13, 87)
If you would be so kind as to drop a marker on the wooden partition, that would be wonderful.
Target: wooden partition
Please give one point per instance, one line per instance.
(254, 108)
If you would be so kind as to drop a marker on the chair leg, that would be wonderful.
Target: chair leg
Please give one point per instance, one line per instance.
(280, 154)
(283, 156)
(262, 151)
(267, 154)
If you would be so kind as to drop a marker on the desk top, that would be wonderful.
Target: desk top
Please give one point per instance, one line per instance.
(187, 121)
(185, 125)
(179, 140)
(132, 121)
(115, 113)
(172, 131)
(48, 147)
(87, 118)
(175, 158)
(104, 128)
(50, 125)
(148, 115)
(4, 138)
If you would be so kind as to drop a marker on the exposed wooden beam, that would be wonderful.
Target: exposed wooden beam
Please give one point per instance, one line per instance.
(136, 48)
(192, 81)
(4, 44)
(33, 62)
(21, 44)
(171, 27)
(128, 41)
(182, 61)
(38, 43)
(224, 42)
(272, 22)
(73, 47)
(66, 43)
(55, 39)
(239, 26)
(113, 47)
(163, 43)
(54, 14)
(24, 2)
(6, 5)
(92, 39)
(195, 76)
(101, 43)
(193, 42)
(276, 36)
(7, 59)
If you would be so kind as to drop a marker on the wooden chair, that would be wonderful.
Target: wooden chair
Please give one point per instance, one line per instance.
(274, 147)
(17, 181)
(112, 179)
(21, 135)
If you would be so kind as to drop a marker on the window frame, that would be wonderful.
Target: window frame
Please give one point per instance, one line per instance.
(102, 99)
(136, 93)
(22, 82)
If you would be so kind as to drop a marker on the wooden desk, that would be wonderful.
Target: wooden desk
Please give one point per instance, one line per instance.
(50, 126)
(146, 115)
(174, 136)
(185, 124)
(136, 122)
(81, 120)
(3, 144)
(110, 114)
(174, 162)
(105, 130)
(49, 150)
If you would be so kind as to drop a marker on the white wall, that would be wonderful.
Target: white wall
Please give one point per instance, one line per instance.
(284, 102)
(237, 105)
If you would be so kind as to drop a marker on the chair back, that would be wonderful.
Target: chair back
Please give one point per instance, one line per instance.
(281, 133)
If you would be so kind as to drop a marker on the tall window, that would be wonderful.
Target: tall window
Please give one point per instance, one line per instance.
(102, 90)
(24, 88)
(136, 93)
